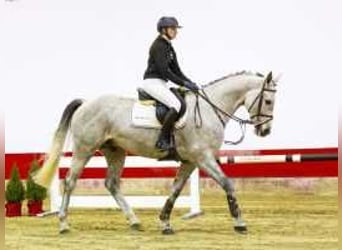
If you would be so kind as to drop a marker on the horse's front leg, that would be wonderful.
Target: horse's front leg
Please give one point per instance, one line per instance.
(182, 176)
(209, 164)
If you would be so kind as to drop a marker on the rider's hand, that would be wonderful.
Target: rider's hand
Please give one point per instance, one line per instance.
(192, 86)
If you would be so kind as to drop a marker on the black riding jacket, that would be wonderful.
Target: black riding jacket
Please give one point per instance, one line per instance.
(163, 64)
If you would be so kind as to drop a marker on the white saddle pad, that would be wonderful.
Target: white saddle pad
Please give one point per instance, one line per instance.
(145, 116)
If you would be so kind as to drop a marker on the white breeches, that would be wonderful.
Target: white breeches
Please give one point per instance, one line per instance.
(158, 89)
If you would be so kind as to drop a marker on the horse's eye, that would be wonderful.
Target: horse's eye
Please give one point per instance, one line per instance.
(268, 102)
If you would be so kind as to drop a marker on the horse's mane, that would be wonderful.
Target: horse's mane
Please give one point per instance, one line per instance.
(243, 72)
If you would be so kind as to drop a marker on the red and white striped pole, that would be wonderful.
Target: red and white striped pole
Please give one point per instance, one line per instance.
(278, 158)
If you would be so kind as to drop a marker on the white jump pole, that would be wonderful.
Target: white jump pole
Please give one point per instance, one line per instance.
(195, 207)
(191, 201)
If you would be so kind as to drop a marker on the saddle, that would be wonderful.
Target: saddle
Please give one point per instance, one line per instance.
(162, 109)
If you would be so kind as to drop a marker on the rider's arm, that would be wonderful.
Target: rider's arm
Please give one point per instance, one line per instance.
(179, 72)
(161, 61)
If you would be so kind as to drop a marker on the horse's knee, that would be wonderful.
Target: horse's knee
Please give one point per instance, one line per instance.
(176, 190)
(228, 186)
(111, 184)
(108, 183)
(69, 184)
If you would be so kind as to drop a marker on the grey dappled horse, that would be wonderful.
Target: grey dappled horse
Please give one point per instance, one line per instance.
(105, 124)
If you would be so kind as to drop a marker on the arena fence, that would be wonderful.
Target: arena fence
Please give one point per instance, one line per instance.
(308, 162)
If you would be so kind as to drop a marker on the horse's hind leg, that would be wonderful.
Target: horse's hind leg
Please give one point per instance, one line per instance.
(182, 176)
(79, 160)
(115, 158)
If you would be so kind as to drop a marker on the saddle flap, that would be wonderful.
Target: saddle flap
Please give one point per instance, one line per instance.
(144, 116)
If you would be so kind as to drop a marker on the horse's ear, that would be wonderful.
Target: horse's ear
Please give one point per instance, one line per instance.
(269, 77)
(277, 77)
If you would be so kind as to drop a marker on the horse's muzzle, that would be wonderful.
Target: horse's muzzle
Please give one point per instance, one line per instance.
(265, 132)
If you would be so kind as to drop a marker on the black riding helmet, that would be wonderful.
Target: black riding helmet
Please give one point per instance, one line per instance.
(166, 21)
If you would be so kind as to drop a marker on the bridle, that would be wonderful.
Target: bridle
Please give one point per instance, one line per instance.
(242, 122)
(259, 113)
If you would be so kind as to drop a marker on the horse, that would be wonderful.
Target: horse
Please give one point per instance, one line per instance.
(105, 124)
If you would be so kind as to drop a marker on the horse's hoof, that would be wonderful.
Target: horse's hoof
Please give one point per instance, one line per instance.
(241, 229)
(64, 230)
(136, 227)
(168, 231)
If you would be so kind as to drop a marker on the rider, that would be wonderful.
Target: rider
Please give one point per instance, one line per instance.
(163, 67)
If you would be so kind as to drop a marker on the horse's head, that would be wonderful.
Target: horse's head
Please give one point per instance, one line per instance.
(260, 103)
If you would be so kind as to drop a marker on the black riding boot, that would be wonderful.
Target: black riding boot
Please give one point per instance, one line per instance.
(164, 140)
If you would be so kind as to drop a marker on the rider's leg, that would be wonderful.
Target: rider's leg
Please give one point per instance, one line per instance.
(159, 90)
(164, 141)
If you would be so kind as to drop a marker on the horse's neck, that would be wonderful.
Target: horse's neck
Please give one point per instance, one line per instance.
(229, 94)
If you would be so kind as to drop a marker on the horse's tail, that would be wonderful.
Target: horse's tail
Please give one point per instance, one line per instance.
(46, 173)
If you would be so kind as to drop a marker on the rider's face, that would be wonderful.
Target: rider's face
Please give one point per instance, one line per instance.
(171, 32)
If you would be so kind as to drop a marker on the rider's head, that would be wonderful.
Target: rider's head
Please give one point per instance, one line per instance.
(168, 26)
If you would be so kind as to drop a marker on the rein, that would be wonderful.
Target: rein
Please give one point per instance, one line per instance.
(242, 122)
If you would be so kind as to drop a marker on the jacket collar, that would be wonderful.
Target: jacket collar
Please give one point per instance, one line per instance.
(161, 38)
